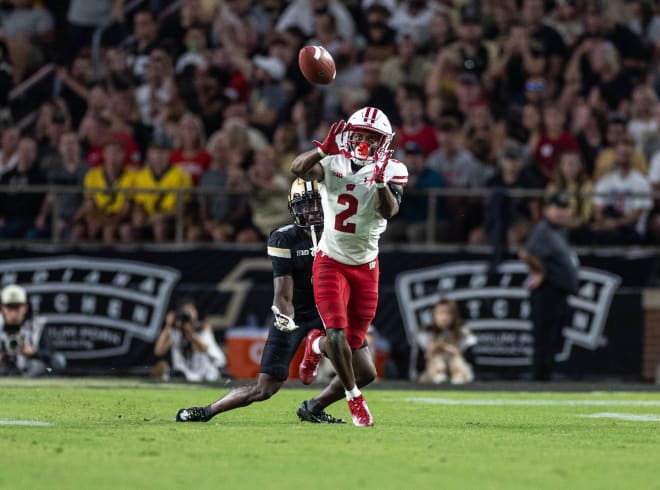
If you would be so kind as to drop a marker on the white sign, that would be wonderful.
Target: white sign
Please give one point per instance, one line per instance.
(498, 310)
(93, 306)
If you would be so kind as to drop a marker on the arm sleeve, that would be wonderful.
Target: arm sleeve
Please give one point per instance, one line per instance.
(279, 251)
(535, 244)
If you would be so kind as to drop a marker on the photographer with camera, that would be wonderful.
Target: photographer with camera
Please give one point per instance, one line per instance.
(23, 350)
(194, 353)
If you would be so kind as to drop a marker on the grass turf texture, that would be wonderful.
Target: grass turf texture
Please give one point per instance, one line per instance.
(122, 436)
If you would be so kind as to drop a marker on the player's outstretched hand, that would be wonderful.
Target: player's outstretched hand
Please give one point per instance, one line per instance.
(329, 145)
(283, 322)
(379, 170)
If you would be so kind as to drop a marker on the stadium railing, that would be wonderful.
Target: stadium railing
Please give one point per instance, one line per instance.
(186, 196)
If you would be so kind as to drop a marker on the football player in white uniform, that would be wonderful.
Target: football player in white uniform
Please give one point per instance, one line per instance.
(361, 188)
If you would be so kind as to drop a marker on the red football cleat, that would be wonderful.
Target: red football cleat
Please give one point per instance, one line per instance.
(310, 363)
(360, 412)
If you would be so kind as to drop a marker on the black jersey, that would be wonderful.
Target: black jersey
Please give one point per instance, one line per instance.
(290, 250)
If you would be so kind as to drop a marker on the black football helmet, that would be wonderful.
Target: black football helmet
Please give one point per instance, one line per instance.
(305, 203)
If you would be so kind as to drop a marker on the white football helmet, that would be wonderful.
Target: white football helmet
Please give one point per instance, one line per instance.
(371, 120)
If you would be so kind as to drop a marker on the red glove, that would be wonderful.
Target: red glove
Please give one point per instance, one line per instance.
(379, 172)
(329, 145)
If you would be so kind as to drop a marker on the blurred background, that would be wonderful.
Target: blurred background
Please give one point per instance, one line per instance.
(145, 149)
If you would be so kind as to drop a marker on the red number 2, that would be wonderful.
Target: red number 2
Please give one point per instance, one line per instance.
(351, 210)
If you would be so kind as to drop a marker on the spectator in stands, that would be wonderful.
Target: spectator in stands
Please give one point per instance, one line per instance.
(19, 210)
(642, 124)
(605, 20)
(457, 166)
(105, 211)
(381, 38)
(266, 197)
(196, 51)
(445, 342)
(76, 81)
(441, 31)
(154, 213)
(603, 80)
(470, 48)
(194, 354)
(29, 32)
(286, 146)
(158, 87)
(51, 124)
(378, 94)
(300, 13)
(572, 180)
(408, 66)
(616, 131)
(96, 131)
(622, 201)
(554, 140)
(190, 154)
(508, 218)
(223, 208)
(410, 224)
(652, 144)
(326, 33)
(8, 153)
(518, 59)
(644, 22)
(413, 126)
(539, 32)
(589, 127)
(68, 169)
(145, 32)
(413, 16)
(85, 17)
(565, 19)
(268, 98)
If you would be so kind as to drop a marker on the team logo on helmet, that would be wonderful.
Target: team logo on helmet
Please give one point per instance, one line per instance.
(374, 146)
(305, 203)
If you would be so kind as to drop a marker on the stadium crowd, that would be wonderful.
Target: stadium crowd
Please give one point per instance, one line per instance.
(206, 94)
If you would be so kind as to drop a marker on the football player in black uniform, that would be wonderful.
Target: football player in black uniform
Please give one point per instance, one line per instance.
(291, 249)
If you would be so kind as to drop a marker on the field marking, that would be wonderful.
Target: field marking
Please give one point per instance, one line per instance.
(646, 417)
(33, 423)
(537, 402)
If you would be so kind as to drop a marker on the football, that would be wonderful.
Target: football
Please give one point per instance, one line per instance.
(317, 65)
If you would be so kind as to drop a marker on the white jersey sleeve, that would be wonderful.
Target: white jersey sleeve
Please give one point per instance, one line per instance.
(352, 225)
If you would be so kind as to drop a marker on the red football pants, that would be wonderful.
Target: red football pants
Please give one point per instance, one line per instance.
(346, 296)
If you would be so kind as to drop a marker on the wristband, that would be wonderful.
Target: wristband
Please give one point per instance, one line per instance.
(323, 155)
(380, 185)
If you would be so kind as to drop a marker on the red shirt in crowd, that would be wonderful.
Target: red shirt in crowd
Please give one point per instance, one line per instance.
(548, 150)
(194, 165)
(425, 137)
(94, 155)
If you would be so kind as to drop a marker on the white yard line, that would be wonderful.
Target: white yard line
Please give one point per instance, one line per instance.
(536, 402)
(633, 417)
(33, 423)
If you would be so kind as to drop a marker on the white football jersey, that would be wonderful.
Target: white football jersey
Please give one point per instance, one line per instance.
(352, 226)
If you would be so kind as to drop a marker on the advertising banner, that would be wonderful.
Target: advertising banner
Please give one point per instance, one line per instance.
(104, 308)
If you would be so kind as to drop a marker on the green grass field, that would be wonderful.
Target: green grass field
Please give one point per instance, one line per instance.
(122, 435)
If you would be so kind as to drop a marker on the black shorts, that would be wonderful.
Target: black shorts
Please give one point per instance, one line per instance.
(282, 346)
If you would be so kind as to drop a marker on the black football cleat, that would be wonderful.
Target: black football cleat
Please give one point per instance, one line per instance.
(321, 417)
(192, 414)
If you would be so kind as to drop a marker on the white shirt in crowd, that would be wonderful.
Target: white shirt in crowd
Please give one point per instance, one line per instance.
(622, 193)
